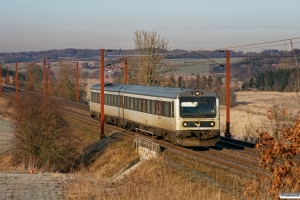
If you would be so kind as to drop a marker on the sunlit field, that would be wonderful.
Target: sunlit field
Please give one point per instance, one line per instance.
(197, 66)
(250, 117)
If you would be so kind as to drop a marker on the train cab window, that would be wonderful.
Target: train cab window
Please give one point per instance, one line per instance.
(131, 103)
(195, 107)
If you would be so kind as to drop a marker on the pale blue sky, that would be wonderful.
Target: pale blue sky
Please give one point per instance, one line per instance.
(34, 25)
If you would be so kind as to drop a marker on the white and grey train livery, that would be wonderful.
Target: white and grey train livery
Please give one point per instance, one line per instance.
(188, 117)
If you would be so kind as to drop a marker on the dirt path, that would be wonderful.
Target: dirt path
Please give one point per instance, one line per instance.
(17, 185)
(22, 185)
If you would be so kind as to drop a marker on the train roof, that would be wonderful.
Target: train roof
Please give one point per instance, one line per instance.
(156, 91)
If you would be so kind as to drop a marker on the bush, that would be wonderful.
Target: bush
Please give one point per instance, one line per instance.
(278, 157)
(221, 91)
(43, 138)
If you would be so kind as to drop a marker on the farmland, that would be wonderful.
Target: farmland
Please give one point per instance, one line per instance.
(249, 116)
(197, 66)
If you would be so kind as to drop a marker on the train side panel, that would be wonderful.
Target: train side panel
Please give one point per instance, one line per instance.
(138, 117)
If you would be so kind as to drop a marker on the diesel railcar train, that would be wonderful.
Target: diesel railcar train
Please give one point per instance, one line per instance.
(188, 117)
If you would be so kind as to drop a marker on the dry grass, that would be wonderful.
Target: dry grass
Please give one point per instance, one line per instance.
(152, 180)
(116, 156)
(5, 164)
(250, 113)
(5, 108)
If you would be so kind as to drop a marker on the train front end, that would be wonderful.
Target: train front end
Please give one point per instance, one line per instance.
(198, 122)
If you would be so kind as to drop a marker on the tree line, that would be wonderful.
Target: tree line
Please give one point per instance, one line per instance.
(278, 80)
(252, 64)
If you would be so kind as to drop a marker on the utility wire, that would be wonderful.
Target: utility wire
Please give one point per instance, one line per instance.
(233, 47)
(266, 46)
(208, 58)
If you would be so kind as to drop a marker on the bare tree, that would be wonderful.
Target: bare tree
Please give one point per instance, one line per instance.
(37, 77)
(221, 91)
(150, 66)
(66, 85)
(43, 138)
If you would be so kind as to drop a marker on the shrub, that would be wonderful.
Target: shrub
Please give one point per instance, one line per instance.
(42, 136)
(221, 91)
(278, 157)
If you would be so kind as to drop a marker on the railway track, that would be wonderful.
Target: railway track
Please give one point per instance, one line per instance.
(236, 143)
(244, 162)
(227, 158)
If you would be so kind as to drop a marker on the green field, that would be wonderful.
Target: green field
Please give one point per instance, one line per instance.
(197, 66)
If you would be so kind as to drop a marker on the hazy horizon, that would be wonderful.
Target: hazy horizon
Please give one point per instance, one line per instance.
(34, 25)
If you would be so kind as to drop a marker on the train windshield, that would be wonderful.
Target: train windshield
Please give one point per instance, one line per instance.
(197, 107)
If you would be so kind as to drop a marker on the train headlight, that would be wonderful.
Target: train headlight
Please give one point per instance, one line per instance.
(197, 93)
(212, 124)
(184, 124)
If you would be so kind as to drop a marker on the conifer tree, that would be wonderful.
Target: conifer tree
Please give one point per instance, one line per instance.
(180, 82)
(172, 82)
(217, 82)
(209, 82)
(251, 83)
